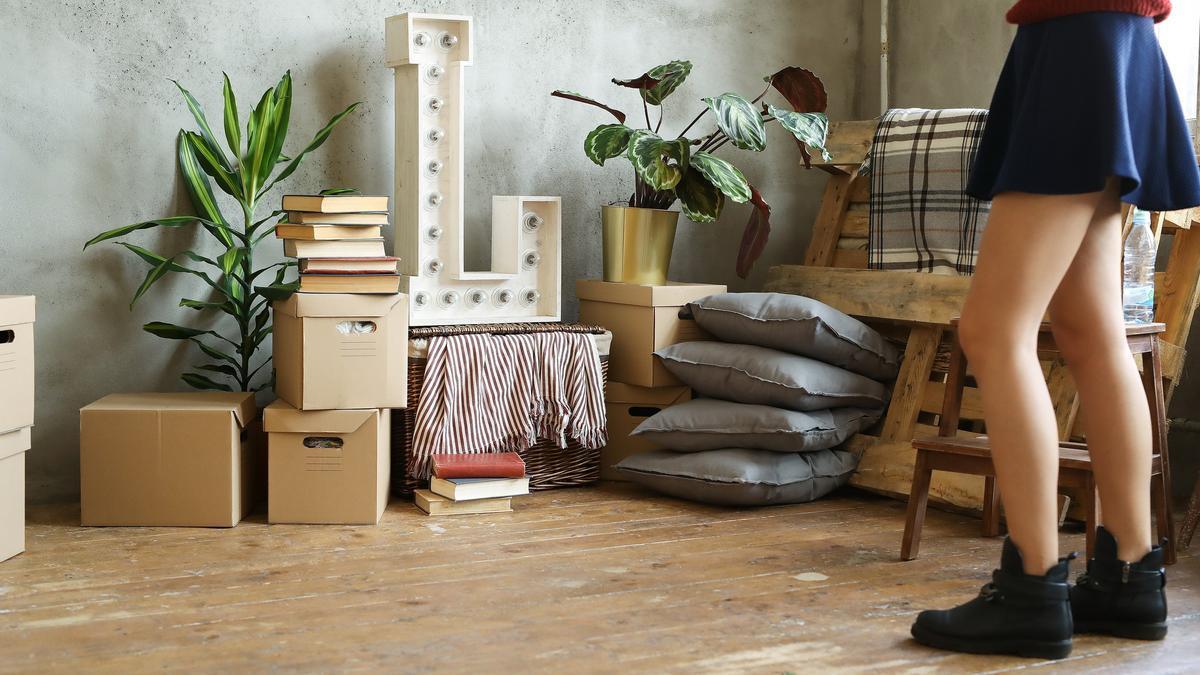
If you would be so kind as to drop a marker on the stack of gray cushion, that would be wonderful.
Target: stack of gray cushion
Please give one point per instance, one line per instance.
(790, 379)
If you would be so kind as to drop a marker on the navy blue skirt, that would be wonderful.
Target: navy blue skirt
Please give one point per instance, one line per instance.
(1083, 98)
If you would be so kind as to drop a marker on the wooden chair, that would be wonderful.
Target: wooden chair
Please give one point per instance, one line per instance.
(960, 452)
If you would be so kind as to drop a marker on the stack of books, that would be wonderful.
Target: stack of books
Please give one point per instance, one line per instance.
(473, 483)
(339, 242)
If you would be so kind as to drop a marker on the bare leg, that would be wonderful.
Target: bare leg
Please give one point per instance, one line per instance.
(1090, 329)
(1026, 251)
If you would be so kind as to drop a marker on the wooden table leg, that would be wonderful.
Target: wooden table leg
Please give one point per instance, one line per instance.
(918, 500)
(1152, 381)
(991, 507)
(1191, 519)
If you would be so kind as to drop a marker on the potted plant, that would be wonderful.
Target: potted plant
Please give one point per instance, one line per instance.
(251, 169)
(638, 234)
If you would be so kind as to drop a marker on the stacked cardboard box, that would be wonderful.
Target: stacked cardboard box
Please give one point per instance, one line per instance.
(340, 365)
(643, 319)
(16, 416)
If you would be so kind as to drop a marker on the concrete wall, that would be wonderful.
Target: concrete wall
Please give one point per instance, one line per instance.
(90, 120)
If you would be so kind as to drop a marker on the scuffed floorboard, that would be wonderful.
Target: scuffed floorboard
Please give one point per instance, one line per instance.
(607, 579)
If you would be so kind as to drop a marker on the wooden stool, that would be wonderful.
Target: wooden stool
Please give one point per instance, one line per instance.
(972, 455)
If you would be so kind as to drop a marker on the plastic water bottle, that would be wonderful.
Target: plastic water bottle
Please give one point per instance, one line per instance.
(1140, 254)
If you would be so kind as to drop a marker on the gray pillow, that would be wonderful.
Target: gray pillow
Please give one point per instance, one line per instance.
(800, 325)
(741, 477)
(750, 374)
(709, 424)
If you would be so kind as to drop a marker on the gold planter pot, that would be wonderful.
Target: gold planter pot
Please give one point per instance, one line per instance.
(637, 244)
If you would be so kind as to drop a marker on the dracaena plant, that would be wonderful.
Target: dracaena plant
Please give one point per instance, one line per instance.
(688, 170)
(255, 163)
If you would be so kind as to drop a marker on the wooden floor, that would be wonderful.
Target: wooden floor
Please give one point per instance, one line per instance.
(604, 579)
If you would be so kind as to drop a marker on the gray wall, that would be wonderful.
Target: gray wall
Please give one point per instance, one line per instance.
(87, 144)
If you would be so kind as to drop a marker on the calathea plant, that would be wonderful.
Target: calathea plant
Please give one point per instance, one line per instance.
(688, 170)
(255, 164)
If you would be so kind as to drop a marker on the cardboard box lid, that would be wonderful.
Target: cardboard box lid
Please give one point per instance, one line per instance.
(672, 293)
(16, 309)
(338, 304)
(279, 417)
(14, 442)
(619, 392)
(240, 403)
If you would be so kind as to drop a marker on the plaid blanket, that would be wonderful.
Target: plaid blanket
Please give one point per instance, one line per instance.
(921, 219)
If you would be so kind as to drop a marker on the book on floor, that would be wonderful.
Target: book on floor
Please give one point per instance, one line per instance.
(306, 218)
(334, 248)
(478, 465)
(437, 505)
(334, 203)
(349, 283)
(462, 489)
(327, 232)
(383, 265)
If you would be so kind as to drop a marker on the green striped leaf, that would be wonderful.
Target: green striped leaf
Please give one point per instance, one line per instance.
(320, 138)
(202, 121)
(258, 144)
(218, 368)
(649, 154)
(810, 129)
(233, 132)
(173, 221)
(669, 77)
(607, 141)
(212, 166)
(278, 291)
(738, 119)
(198, 381)
(173, 332)
(214, 352)
(701, 201)
(157, 272)
(281, 117)
(200, 192)
(724, 176)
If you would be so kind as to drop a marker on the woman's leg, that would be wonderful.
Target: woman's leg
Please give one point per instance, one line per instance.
(1027, 248)
(1089, 328)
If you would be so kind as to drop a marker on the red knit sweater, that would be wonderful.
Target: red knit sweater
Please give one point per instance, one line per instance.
(1033, 11)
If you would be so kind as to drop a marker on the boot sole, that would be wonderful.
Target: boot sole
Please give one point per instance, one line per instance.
(1039, 649)
(1133, 631)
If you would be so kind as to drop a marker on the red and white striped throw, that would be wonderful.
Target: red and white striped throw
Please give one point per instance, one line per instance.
(502, 393)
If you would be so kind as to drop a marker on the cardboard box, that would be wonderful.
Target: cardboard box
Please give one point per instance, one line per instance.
(627, 407)
(327, 466)
(167, 459)
(642, 319)
(12, 492)
(338, 351)
(16, 361)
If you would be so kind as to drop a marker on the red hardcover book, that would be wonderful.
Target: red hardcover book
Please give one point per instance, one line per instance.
(478, 465)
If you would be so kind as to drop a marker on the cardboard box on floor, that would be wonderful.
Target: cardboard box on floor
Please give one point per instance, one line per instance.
(627, 407)
(327, 466)
(13, 445)
(16, 361)
(336, 351)
(185, 459)
(642, 318)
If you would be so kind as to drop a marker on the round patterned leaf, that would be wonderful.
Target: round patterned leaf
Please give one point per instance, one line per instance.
(725, 176)
(739, 120)
(607, 141)
(701, 200)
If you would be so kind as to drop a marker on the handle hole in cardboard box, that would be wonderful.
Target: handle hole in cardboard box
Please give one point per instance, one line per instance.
(643, 410)
(7, 336)
(322, 442)
(356, 327)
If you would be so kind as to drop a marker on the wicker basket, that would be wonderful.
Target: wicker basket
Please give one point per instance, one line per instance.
(547, 465)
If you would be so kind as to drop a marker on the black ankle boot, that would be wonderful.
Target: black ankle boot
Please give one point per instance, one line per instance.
(1119, 598)
(1017, 613)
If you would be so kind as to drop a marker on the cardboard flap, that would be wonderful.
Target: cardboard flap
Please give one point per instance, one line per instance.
(338, 304)
(672, 293)
(240, 403)
(618, 392)
(16, 309)
(279, 417)
(14, 442)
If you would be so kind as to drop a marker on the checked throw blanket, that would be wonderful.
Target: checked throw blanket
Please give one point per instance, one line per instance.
(503, 393)
(921, 218)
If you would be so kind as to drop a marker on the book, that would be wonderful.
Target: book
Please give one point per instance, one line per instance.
(478, 465)
(334, 203)
(463, 489)
(334, 248)
(384, 265)
(326, 232)
(437, 505)
(349, 283)
(305, 218)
